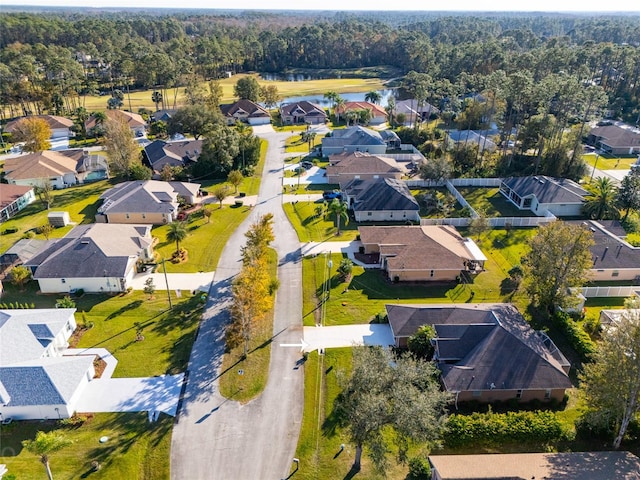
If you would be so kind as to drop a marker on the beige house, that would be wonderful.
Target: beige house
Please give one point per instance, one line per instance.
(245, 111)
(348, 166)
(60, 126)
(434, 253)
(145, 202)
(136, 123)
(486, 352)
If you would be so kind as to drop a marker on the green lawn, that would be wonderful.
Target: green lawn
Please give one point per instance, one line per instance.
(491, 201)
(81, 202)
(317, 228)
(455, 212)
(295, 143)
(136, 449)
(205, 241)
(610, 162)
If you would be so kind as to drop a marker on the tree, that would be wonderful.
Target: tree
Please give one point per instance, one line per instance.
(388, 394)
(419, 343)
(345, 268)
(156, 97)
(259, 237)
(45, 230)
(65, 302)
(219, 150)
(628, 198)
(34, 132)
(270, 95)
(137, 171)
(611, 382)
(220, 192)
(332, 97)
(478, 225)
(44, 445)
(436, 170)
(20, 276)
(247, 88)
(122, 149)
(309, 137)
(601, 203)
(235, 178)
(44, 190)
(559, 258)
(166, 174)
(340, 210)
(338, 105)
(194, 120)
(207, 212)
(373, 96)
(149, 287)
(177, 232)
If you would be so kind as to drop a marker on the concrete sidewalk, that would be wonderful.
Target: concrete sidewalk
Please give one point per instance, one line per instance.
(369, 334)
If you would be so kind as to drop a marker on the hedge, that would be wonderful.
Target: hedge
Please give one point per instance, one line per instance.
(579, 340)
(495, 428)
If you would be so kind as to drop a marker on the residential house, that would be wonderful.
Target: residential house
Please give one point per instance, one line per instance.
(136, 123)
(378, 114)
(62, 168)
(145, 202)
(95, 258)
(549, 466)
(14, 198)
(347, 166)
(433, 253)
(181, 153)
(470, 137)
(615, 138)
(245, 111)
(354, 139)
(37, 382)
(163, 115)
(20, 253)
(302, 112)
(613, 257)
(60, 126)
(541, 194)
(381, 200)
(413, 110)
(486, 352)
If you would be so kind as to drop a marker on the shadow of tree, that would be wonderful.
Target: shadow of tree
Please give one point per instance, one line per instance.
(128, 307)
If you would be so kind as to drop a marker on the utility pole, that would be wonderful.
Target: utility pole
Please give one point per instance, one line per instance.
(166, 281)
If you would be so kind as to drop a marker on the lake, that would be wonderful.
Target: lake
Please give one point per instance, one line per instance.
(349, 97)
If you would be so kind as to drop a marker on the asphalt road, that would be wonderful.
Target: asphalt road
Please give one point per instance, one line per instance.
(216, 438)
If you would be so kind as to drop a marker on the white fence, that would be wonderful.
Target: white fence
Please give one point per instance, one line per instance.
(476, 182)
(623, 291)
(493, 222)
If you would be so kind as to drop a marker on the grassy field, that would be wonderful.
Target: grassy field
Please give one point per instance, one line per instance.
(142, 98)
(311, 227)
(295, 144)
(491, 202)
(136, 449)
(610, 162)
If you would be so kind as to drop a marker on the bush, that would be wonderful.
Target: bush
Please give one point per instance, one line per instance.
(579, 340)
(419, 469)
(9, 230)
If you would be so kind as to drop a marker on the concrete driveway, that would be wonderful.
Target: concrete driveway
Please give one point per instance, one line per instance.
(177, 281)
(313, 175)
(369, 334)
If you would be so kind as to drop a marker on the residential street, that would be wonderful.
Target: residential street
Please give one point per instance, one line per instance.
(216, 438)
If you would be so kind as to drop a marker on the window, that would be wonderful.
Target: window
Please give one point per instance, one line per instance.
(615, 273)
(547, 393)
(144, 216)
(63, 280)
(519, 394)
(476, 393)
(369, 214)
(432, 273)
(126, 215)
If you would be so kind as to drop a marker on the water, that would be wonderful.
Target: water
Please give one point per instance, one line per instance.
(349, 97)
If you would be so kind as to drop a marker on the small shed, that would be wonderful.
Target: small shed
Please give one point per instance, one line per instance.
(59, 219)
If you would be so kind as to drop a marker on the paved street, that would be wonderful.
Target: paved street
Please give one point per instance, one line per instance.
(216, 438)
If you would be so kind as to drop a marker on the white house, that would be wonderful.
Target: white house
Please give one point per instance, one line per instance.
(36, 380)
(541, 194)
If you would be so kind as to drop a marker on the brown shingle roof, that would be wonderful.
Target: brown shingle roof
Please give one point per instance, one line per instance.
(39, 165)
(53, 121)
(376, 110)
(11, 193)
(132, 119)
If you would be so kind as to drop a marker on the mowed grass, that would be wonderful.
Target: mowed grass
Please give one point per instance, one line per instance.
(205, 240)
(610, 162)
(312, 227)
(296, 144)
(255, 367)
(80, 201)
(136, 449)
(491, 202)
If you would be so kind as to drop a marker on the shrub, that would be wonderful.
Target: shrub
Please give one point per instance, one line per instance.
(634, 239)
(419, 469)
(579, 340)
(9, 230)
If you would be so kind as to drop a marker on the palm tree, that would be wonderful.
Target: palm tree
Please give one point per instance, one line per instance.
(601, 202)
(332, 97)
(339, 209)
(373, 96)
(177, 232)
(156, 97)
(337, 106)
(44, 445)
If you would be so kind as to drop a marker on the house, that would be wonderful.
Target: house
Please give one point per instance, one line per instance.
(95, 258)
(14, 198)
(354, 139)
(471, 137)
(136, 122)
(60, 126)
(413, 110)
(541, 194)
(245, 111)
(615, 138)
(302, 112)
(62, 168)
(486, 352)
(434, 253)
(20, 253)
(181, 153)
(36, 380)
(347, 166)
(613, 257)
(381, 200)
(163, 115)
(378, 114)
(549, 466)
(145, 202)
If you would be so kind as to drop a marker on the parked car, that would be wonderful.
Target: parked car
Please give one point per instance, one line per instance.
(306, 164)
(331, 194)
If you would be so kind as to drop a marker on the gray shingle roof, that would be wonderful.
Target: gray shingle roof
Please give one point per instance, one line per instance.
(609, 251)
(547, 189)
(252, 109)
(617, 136)
(151, 196)
(381, 194)
(303, 108)
(353, 136)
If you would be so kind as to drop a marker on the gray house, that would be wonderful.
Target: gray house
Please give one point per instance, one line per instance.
(616, 138)
(355, 139)
(541, 194)
(175, 154)
(384, 199)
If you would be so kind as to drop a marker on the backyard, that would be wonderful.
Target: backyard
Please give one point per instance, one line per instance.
(491, 202)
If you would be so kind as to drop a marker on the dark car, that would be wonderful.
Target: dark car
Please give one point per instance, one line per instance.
(306, 164)
(331, 194)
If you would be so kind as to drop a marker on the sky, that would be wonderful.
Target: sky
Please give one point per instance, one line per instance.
(425, 5)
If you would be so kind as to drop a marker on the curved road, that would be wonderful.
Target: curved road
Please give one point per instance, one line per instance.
(216, 438)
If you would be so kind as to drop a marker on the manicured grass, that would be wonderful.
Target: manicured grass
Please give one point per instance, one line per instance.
(455, 212)
(610, 162)
(313, 228)
(491, 201)
(81, 202)
(295, 144)
(251, 185)
(136, 449)
(255, 366)
(204, 242)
